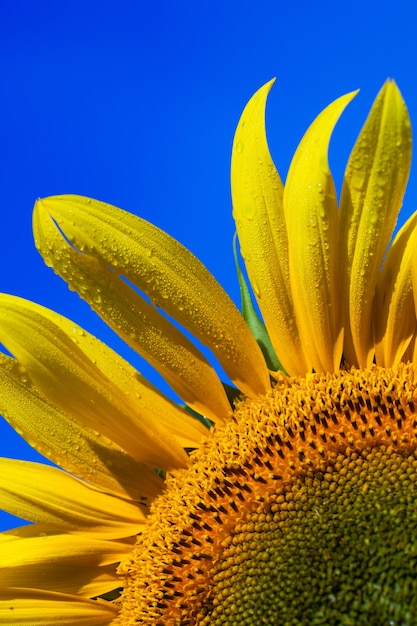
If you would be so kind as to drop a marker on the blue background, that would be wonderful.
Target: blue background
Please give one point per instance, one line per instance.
(136, 103)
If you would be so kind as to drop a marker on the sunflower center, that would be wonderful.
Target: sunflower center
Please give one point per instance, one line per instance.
(300, 510)
(337, 547)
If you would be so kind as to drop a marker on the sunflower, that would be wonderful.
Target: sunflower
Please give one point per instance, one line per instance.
(286, 496)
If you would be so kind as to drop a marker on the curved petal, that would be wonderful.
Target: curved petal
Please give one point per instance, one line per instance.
(167, 272)
(257, 193)
(41, 493)
(312, 221)
(372, 194)
(414, 273)
(87, 582)
(34, 607)
(36, 556)
(79, 450)
(139, 323)
(394, 316)
(46, 549)
(410, 355)
(51, 348)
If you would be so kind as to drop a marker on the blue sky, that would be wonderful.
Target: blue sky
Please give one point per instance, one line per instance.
(136, 103)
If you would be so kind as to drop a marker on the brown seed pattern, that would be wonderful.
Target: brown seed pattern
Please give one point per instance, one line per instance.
(302, 427)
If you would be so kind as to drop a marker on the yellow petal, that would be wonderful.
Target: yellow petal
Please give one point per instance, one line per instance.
(81, 550)
(51, 349)
(32, 607)
(394, 317)
(372, 194)
(410, 355)
(140, 324)
(87, 582)
(167, 273)
(312, 221)
(40, 493)
(79, 450)
(70, 563)
(257, 193)
(414, 273)
(36, 556)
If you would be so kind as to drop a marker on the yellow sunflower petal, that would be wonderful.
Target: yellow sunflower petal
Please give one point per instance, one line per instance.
(372, 194)
(394, 317)
(410, 354)
(150, 404)
(78, 449)
(166, 272)
(414, 272)
(51, 349)
(87, 582)
(140, 324)
(34, 607)
(40, 493)
(257, 194)
(80, 549)
(312, 222)
(68, 562)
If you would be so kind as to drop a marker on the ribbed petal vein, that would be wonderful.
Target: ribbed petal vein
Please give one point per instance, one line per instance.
(372, 194)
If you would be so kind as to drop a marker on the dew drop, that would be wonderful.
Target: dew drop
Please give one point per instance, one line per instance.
(322, 211)
(249, 211)
(239, 147)
(374, 217)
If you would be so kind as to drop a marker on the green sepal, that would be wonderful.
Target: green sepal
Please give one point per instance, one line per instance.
(257, 327)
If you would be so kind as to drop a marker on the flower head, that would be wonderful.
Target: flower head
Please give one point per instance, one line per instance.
(286, 498)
